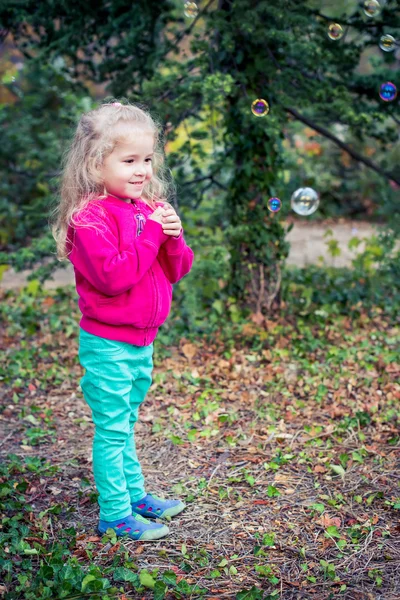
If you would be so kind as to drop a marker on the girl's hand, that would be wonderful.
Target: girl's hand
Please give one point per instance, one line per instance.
(171, 223)
(157, 215)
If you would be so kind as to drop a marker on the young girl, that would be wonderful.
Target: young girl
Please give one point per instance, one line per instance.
(127, 249)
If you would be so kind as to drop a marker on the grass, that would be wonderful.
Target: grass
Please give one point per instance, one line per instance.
(283, 440)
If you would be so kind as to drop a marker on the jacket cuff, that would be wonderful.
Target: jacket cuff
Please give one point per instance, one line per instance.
(175, 245)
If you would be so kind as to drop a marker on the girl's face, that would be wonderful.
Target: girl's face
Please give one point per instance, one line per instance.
(126, 170)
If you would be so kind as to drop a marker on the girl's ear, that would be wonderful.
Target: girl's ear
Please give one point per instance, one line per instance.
(95, 171)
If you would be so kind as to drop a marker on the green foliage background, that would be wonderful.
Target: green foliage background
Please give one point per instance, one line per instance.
(200, 77)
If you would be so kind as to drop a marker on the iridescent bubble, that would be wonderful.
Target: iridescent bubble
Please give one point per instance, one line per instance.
(304, 201)
(260, 107)
(388, 91)
(387, 43)
(372, 8)
(191, 10)
(335, 31)
(274, 204)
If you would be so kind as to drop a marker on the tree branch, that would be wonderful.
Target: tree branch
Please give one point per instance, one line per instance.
(358, 157)
(206, 178)
(395, 119)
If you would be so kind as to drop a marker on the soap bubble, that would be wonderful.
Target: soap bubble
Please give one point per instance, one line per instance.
(335, 31)
(387, 43)
(260, 107)
(372, 8)
(388, 91)
(191, 9)
(274, 204)
(304, 201)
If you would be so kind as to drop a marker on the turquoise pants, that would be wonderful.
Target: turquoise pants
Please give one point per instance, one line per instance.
(116, 381)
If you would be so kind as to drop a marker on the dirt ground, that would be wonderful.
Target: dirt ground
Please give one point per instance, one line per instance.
(307, 245)
(253, 443)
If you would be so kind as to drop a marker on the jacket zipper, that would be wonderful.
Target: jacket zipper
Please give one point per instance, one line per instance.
(156, 303)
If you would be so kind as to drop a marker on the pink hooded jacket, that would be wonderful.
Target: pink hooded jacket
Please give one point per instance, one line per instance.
(124, 271)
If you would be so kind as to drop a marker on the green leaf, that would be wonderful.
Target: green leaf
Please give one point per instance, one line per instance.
(31, 419)
(86, 580)
(338, 469)
(354, 242)
(357, 456)
(332, 530)
(318, 507)
(160, 590)
(191, 435)
(176, 440)
(269, 539)
(272, 492)
(333, 248)
(253, 594)
(169, 577)
(146, 579)
(218, 306)
(183, 587)
(124, 574)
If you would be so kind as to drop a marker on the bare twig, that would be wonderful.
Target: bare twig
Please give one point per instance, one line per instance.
(356, 155)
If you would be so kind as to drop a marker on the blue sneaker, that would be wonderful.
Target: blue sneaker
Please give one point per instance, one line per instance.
(135, 527)
(152, 506)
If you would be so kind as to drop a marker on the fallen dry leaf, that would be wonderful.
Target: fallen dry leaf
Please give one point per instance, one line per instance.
(320, 469)
(189, 350)
(327, 521)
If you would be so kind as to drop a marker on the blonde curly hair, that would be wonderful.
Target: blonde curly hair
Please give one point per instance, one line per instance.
(94, 140)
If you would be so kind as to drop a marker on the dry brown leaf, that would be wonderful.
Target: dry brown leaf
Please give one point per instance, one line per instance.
(281, 478)
(189, 350)
(320, 469)
(327, 521)
(257, 318)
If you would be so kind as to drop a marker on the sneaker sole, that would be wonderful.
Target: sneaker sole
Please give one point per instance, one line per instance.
(168, 512)
(148, 536)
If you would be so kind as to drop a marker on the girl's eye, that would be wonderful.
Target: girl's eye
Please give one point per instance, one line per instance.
(131, 160)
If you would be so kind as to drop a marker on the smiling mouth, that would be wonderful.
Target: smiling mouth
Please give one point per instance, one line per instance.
(136, 182)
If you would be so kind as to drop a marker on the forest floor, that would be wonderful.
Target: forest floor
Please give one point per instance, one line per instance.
(283, 439)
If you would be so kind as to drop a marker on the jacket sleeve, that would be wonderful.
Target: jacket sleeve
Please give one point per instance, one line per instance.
(175, 258)
(96, 255)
